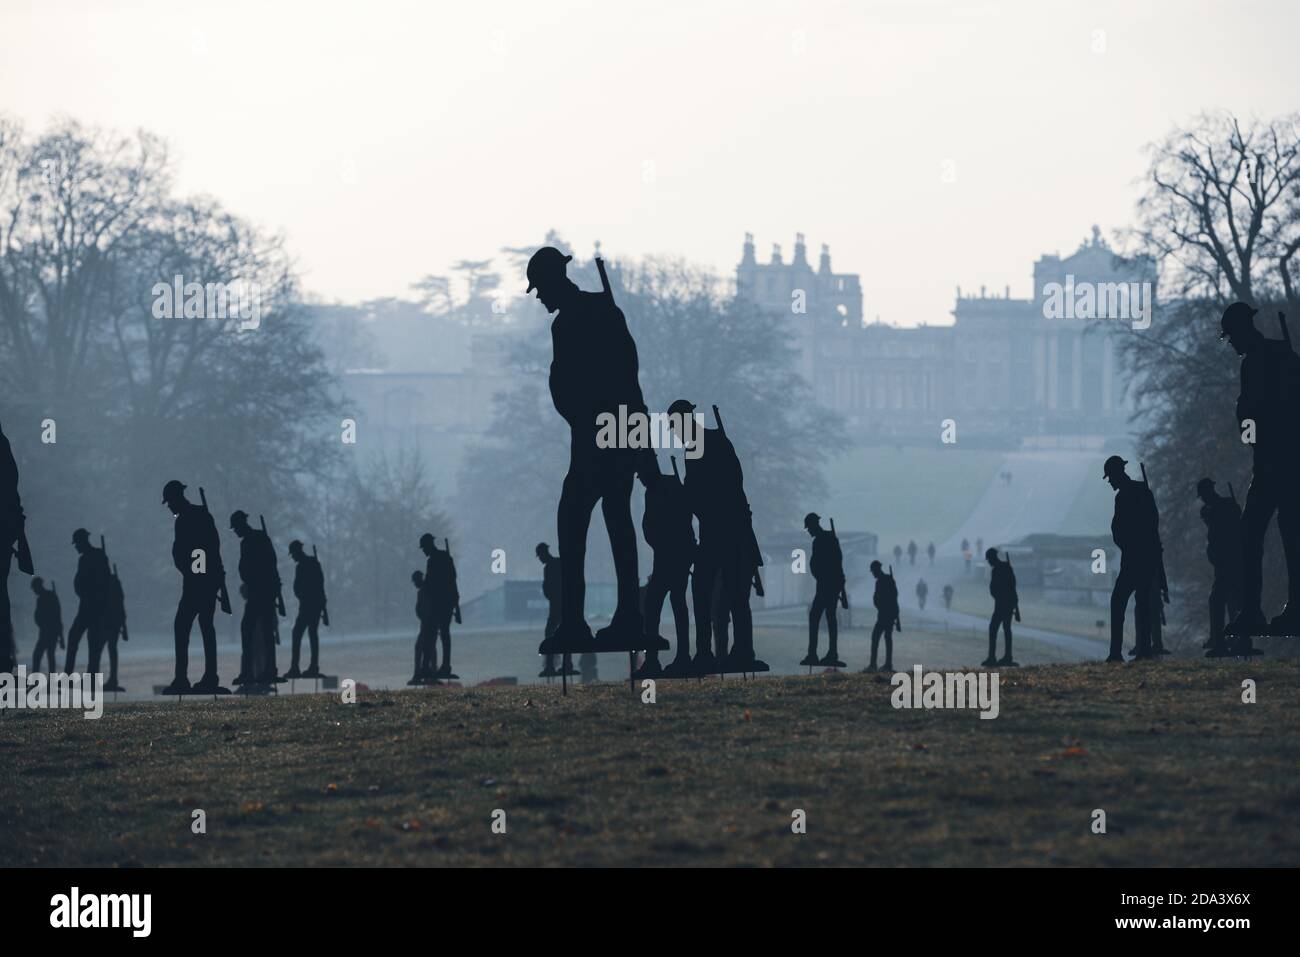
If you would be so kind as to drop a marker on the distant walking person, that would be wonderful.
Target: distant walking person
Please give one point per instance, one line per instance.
(668, 531)
(551, 592)
(947, 597)
(259, 572)
(13, 545)
(309, 589)
(49, 625)
(911, 553)
(929, 551)
(593, 371)
(1267, 408)
(922, 592)
(898, 554)
(1006, 605)
(827, 567)
(1222, 518)
(885, 598)
(443, 595)
(196, 553)
(426, 667)
(1136, 530)
(91, 587)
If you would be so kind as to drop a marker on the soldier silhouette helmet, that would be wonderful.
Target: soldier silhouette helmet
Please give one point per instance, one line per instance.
(1205, 487)
(990, 554)
(1237, 317)
(681, 407)
(1114, 466)
(542, 549)
(811, 519)
(80, 535)
(238, 518)
(417, 577)
(876, 566)
(295, 547)
(37, 583)
(546, 266)
(427, 541)
(172, 491)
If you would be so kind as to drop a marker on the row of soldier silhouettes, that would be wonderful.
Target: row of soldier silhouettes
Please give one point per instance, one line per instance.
(196, 553)
(437, 602)
(594, 371)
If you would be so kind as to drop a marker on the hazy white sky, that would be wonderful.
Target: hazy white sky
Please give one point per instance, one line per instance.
(386, 140)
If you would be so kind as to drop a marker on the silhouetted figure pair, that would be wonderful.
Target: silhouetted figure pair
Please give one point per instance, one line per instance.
(1135, 528)
(715, 489)
(668, 530)
(443, 598)
(309, 589)
(827, 566)
(49, 625)
(1268, 411)
(1006, 605)
(593, 371)
(259, 575)
(551, 588)
(91, 585)
(1222, 517)
(885, 599)
(196, 553)
(13, 545)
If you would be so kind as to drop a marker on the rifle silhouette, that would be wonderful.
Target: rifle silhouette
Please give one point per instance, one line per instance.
(753, 539)
(223, 596)
(604, 280)
(324, 602)
(447, 542)
(279, 589)
(844, 596)
(1160, 549)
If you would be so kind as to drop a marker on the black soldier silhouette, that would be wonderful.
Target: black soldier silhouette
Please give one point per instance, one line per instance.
(885, 599)
(947, 597)
(1136, 530)
(551, 592)
(1222, 517)
(911, 553)
(196, 553)
(715, 488)
(593, 371)
(13, 545)
(1268, 405)
(114, 626)
(922, 592)
(827, 566)
(91, 585)
(668, 530)
(929, 551)
(426, 662)
(309, 589)
(259, 575)
(1006, 605)
(443, 596)
(49, 624)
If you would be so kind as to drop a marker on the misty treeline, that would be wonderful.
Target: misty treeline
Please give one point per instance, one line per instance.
(1220, 212)
(104, 401)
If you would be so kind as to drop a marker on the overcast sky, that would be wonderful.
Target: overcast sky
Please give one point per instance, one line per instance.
(386, 140)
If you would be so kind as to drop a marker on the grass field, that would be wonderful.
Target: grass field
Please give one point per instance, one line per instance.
(709, 774)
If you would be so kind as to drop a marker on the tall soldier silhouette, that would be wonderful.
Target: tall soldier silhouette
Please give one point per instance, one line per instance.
(1222, 518)
(827, 566)
(885, 598)
(196, 553)
(426, 665)
(551, 592)
(715, 487)
(1268, 405)
(49, 624)
(668, 531)
(91, 587)
(260, 574)
(1136, 530)
(443, 596)
(1006, 602)
(309, 589)
(593, 371)
(13, 544)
